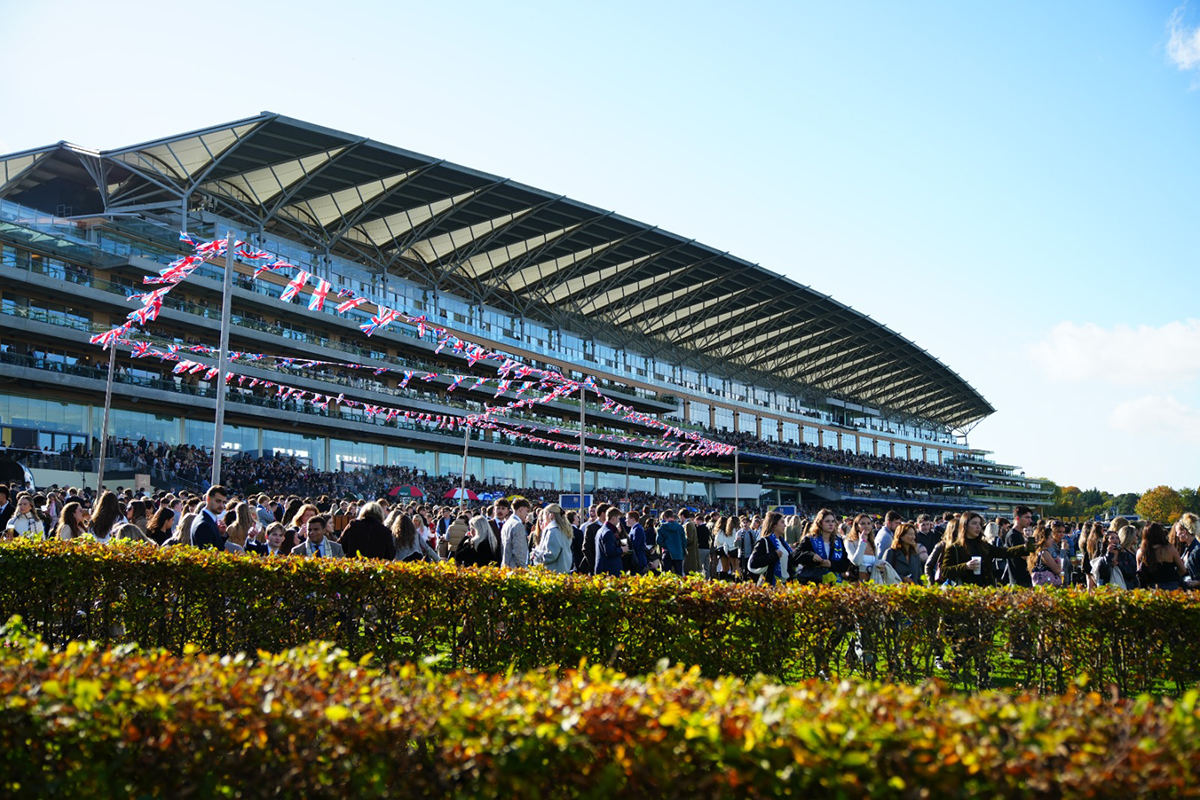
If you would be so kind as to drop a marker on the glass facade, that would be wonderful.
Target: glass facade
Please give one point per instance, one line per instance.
(309, 448)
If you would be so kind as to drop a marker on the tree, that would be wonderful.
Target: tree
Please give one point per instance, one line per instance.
(1189, 498)
(1160, 504)
(1127, 503)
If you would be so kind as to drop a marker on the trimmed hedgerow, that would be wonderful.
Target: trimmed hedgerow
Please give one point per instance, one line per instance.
(489, 619)
(313, 722)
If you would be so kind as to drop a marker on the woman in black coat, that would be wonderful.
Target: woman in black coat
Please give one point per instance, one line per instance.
(970, 559)
(367, 536)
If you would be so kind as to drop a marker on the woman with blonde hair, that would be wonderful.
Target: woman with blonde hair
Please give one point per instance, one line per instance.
(553, 549)
(183, 533)
(411, 545)
(860, 545)
(482, 549)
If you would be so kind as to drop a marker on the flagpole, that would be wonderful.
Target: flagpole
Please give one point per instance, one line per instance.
(582, 444)
(112, 361)
(223, 359)
(462, 494)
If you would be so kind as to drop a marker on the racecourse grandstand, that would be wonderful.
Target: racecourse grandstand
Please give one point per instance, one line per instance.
(824, 404)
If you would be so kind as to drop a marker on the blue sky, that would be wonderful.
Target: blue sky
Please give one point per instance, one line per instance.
(1011, 186)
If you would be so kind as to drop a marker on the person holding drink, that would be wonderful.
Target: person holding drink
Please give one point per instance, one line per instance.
(969, 559)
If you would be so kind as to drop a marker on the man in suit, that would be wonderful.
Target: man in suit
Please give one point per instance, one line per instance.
(608, 544)
(317, 545)
(514, 538)
(637, 541)
(587, 564)
(7, 509)
(206, 531)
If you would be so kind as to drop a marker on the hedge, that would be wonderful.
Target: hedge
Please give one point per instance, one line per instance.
(489, 619)
(313, 723)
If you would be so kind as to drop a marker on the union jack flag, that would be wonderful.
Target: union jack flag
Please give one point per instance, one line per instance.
(294, 286)
(345, 293)
(349, 304)
(317, 301)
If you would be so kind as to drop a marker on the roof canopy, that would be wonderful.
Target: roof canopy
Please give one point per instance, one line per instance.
(491, 239)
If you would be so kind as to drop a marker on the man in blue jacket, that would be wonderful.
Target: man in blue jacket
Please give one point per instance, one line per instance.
(673, 540)
(637, 541)
(608, 545)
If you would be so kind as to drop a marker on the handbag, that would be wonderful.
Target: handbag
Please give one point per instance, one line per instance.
(1044, 577)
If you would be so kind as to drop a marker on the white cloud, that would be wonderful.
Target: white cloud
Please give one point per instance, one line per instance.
(1183, 47)
(1157, 415)
(1121, 355)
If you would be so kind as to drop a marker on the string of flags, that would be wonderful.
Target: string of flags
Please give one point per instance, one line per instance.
(509, 370)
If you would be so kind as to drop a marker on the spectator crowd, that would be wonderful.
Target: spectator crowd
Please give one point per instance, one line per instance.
(300, 516)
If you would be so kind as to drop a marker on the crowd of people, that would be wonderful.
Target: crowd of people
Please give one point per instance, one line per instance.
(244, 472)
(518, 532)
(820, 454)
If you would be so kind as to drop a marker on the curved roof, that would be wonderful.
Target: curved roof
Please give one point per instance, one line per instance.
(483, 236)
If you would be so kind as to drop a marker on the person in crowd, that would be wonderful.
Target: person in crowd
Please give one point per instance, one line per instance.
(514, 537)
(317, 544)
(501, 511)
(206, 529)
(903, 556)
(6, 508)
(927, 536)
(298, 525)
(608, 544)
(262, 509)
(368, 536)
(596, 518)
(239, 531)
(746, 539)
(410, 544)
(691, 558)
(1185, 542)
(1017, 569)
(482, 549)
(1045, 568)
(1159, 565)
(704, 537)
(72, 522)
(1116, 565)
(127, 531)
(135, 512)
(673, 540)
(553, 550)
(276, 537)
(183, 532)
(159, 526)
(860, 545)
(822, 552)
(769, 557)
(883, 539)
(637, 542)
(726, 546)
(423, 530)
(105, 517)
(457, 532)
(970, 559)
(25, 522)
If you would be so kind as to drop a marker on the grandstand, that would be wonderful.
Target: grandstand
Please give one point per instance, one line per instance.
(825, 404)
